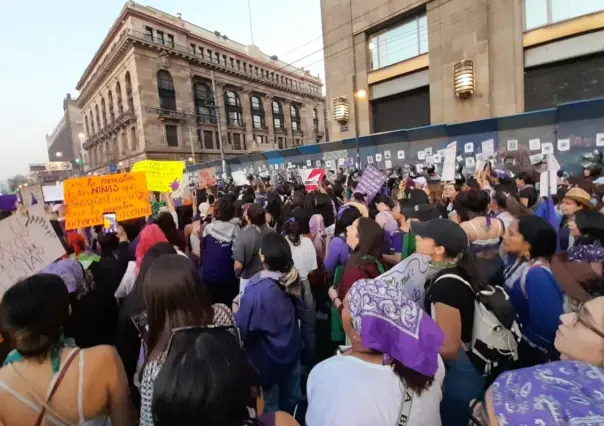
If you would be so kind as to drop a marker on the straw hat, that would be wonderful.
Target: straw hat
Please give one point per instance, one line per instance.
(580, 196)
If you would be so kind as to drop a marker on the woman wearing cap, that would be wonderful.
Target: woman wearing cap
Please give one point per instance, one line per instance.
(532, 288)
(451, 302)
(574, 200)
(392, 369)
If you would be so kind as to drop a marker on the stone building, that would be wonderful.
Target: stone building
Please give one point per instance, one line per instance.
(160, 87)
(400, 56)
(65, 142)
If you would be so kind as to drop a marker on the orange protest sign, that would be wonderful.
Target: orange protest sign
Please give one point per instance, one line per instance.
(207, 177)
(87, 198)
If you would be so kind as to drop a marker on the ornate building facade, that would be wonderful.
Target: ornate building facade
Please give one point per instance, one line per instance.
(162, 88)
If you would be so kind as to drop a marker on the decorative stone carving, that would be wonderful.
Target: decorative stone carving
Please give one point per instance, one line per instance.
(164, 60)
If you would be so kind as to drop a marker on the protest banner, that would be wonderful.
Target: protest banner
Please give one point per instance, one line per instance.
(207, 177)
(52, 193)
(181, 194)
(162, 176)
(87, 198)
(311, 178)
(410, 274)
(371, 182)
(28, 243)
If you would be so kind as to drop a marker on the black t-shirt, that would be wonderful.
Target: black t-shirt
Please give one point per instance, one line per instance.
(452, 292)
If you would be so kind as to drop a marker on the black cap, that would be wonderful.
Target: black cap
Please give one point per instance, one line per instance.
(444, 232)
(423, 212)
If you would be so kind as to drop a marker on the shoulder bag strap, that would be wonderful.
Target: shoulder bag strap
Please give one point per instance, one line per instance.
(403, 417)
(458, 278)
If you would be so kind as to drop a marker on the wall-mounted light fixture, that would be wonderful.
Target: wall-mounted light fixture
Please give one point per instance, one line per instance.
(341, 110)
(464, 79)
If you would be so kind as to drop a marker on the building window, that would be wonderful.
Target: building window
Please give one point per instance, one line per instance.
(295, 114)
(233, 108)
(98, 117)
(133, 138)
(104, 111)
(204, 103)
(87, 126)
(280, 143)
(257, 112)
(209, 55)
(538, 13)
(172, 135)
(165, 88)
(160, 37)
(236, 141)
(129, 95)
(277, 115)
(111, 109)
(396, 44)
(297, 142)
(193, 48)
(259, 139)
(170, 40)
(149, 33)
(92, 122)
(118, 94)
(208, 139)
(315, 120)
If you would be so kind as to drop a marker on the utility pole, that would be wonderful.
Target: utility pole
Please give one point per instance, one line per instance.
(217, 109)
(249, 9)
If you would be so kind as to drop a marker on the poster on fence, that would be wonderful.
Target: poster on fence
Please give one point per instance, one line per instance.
(162, 176)
(371, 182)
(28, 243)
(411, 275)
(87, 198)
(311, 178)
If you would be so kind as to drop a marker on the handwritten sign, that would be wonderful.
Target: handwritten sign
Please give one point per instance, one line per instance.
(410, 274)
(371, 182)
(162, 176)
(28, 243)
(87, 198)
(207, 177)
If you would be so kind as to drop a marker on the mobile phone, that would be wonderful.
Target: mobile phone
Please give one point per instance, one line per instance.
(109, 223)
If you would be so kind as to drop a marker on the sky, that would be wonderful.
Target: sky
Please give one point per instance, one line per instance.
(48, 44)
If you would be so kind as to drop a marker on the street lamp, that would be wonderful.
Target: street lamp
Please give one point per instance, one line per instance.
(191, 159)
(358, 94)
(59, 154)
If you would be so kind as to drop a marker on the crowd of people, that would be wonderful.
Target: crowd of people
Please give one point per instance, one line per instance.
(264, 304)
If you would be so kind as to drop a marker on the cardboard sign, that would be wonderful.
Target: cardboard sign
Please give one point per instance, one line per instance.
(53, 193)
(448, 173)
(240, 178)
(207, 177)
(162, 176)
(410, 274)
(28, 243)
(311, 178)
(87, 198)
(182, 194)
(371, 182)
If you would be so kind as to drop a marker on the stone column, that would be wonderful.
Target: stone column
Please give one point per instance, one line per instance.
(221, 112)
(306, 124)
(247, 117)
(268, 120)
(287, 120)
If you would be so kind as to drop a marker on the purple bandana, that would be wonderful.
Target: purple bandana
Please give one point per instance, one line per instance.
(558, 393)
(69, 270)
(390, 322)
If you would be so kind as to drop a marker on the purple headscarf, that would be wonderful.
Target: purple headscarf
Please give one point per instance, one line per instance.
(390, 322)
(558, 393)
(70, 271)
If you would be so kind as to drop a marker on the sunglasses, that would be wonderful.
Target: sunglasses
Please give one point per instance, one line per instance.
(582, 316)
(197, 330)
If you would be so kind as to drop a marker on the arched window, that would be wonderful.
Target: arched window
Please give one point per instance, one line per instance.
(98, 117)
(278, 121)
(129, 96)
(315, 119)
(111, 109)
(165, 88)
(87, 126)
(257, 112)
(92, 122)
(232, 105)
(295, 114)
(104, 111)
(118, 94)
(204, 103)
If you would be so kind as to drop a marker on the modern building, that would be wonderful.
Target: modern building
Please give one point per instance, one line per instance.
(65, 142)
(400, 64)
(160, 87)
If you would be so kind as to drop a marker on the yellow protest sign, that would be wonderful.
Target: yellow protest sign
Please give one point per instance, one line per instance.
(162, 176)
(87, 198)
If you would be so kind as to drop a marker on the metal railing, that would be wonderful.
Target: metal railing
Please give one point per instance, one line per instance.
(108, 128)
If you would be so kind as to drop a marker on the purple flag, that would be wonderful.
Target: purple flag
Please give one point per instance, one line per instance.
(33, 200)
(8, 202)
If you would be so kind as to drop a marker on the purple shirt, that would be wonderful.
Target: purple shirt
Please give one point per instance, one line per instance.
(269, 328)
(337, 254)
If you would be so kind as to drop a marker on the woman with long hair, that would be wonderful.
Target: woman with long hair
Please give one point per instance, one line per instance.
(267, 315)
(393, 357)
(175, 298)
(47, 379)
(451, 285)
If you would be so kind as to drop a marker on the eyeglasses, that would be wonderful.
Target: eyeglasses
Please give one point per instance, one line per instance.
(201, 329)
(582, 316)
